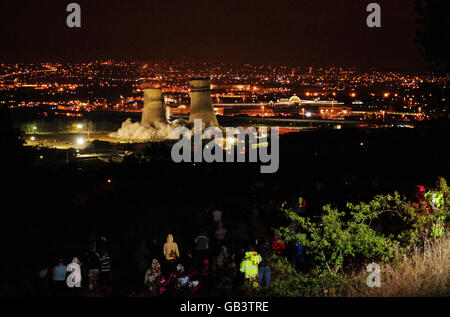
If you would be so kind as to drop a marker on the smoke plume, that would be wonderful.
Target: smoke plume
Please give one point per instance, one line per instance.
(144, 131)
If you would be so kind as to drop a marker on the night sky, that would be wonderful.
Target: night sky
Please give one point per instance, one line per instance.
(293, 32)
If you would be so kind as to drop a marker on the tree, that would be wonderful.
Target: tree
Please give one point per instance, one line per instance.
(432, 33)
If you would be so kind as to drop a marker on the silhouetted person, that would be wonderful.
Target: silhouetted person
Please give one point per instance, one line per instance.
(105, 270)
(202, 245)
(142, 257)
(92, 260)
(266, 252)
(153, 278)
(59, 278)
(44, 281)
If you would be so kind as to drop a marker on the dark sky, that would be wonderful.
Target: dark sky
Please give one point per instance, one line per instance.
(301, 32)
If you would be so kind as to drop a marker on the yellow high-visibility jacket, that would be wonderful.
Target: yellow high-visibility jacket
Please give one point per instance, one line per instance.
(435, 198)
(249, 265)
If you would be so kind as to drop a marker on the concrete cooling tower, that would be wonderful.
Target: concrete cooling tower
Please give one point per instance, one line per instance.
(201, 103)
(154, 108)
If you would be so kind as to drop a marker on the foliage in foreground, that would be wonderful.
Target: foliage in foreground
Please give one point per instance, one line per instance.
(423, 272)
(404, 237)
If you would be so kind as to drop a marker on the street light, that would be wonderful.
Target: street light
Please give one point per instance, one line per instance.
(80, 126)
(80, 141)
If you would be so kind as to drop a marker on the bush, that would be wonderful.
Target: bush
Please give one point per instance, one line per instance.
(286, 281)
(338, 236)
(406, 236)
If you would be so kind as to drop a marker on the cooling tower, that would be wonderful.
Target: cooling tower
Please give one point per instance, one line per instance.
(154, 108)
(201, 103)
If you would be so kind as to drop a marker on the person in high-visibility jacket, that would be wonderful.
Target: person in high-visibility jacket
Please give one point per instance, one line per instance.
(249, 266)
(435, 199)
